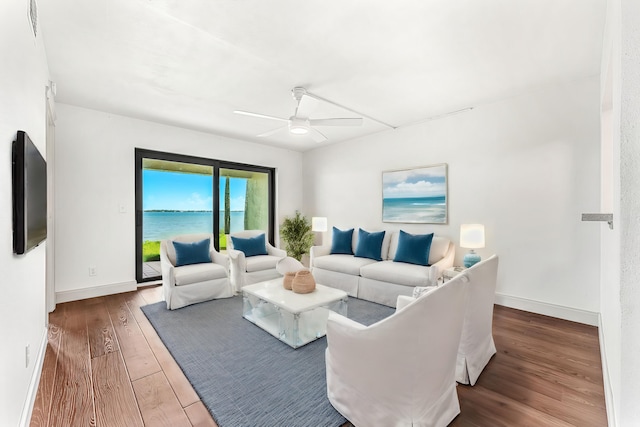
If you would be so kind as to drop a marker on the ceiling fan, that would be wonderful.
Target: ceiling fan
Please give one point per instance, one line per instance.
(300, 123)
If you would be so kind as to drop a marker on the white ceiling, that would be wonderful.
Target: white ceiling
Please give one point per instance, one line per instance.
(192, 63)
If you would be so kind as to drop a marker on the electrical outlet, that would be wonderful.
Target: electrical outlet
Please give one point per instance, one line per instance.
(92, 270)
(26, 356)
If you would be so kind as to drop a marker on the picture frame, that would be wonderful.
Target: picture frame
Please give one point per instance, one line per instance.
(416, 195)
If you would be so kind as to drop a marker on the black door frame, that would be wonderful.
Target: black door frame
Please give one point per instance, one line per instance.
(141, 153)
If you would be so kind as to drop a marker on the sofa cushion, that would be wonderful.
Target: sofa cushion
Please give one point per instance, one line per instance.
(413, 248)
(195, 273)
(397, 272)
(192, 252)
(347, 264)
(262, 262)
(370, 245)
(251, 246)
(439, 247)
(341, 241)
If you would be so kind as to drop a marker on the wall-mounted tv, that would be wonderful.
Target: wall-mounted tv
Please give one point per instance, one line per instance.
(29, 195)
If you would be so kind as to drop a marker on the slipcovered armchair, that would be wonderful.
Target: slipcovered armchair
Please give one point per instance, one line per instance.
(194, 273)
(253, 258)
(399, 371)
(476, 344)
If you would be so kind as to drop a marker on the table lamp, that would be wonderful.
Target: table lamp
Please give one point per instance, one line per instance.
(471, 237)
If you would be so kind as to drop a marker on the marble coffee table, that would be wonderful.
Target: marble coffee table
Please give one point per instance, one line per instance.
(296, 319)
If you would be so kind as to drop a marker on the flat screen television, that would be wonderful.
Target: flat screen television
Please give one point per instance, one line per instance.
(29, 195)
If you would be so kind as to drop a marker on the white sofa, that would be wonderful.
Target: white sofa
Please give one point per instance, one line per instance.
(380, 281)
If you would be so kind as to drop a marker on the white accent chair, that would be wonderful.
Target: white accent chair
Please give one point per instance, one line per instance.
(190, 284)
(399, 371)
(254, 269)
(476, 344)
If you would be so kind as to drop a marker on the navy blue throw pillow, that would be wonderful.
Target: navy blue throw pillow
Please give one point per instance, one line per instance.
(369, 245)
(413, 248)
(192, 253)
(251, 246)
(341, 242)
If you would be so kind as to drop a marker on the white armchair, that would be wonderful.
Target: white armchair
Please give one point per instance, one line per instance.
(253, 269)
(189, 284)
(476, 343)
(401, 370)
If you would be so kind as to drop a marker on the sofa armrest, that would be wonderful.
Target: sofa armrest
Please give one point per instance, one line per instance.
(403, 301)
(237, 268)
(439, 267)
(317, 251)
(272, 250)
(221, 259)
(340, 322)
(168, 274)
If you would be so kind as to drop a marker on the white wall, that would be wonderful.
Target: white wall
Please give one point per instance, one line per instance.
(95, 175)
(526, 167)
(23, 78)
(629, 150)
(610, 314)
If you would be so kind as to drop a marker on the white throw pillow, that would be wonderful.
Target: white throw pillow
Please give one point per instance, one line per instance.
(288, 264)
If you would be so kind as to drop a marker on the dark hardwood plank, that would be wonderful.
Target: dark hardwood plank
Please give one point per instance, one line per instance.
(72, 397)
(137, 355)
(42, 404)
(101, 335)
(180, 384)
(115, 401)
(158, 404)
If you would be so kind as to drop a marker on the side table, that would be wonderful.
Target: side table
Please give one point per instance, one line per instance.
(452, 272)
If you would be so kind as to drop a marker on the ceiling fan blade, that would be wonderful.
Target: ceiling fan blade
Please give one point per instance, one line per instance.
(306, 106)
(316, 135)
(271, 132)
(261, 116)
(337, 122)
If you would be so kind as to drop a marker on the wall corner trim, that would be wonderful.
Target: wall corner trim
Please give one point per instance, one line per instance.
(547, 309)
(95, 291)
(30, 399)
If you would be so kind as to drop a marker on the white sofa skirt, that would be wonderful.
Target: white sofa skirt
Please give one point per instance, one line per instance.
(334, 279)
(385, 293)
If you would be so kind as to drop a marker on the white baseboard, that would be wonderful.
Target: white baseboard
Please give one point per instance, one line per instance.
(608, 392)
(553, 310)
(95, 291)
(27, 409)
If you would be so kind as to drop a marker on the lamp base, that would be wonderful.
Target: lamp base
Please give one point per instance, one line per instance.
(470, 259)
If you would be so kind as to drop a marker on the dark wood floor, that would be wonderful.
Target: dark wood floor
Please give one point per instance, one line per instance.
(105, 366)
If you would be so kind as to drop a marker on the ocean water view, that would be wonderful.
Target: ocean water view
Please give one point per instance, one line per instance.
(415, 209)
(164, 225)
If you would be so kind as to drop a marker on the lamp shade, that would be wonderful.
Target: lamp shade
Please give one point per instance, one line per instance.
(318, 223)
(472, 236)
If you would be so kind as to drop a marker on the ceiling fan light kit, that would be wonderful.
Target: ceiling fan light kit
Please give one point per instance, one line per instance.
(300, 123)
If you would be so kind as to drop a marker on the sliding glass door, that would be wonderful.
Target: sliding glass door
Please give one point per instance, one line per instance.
(244, 201)
(178, 194)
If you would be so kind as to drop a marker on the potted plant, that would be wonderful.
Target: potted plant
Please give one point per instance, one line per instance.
(297, 235)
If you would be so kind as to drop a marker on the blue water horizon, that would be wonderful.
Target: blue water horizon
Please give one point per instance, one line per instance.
(160, 225)
(415, 209)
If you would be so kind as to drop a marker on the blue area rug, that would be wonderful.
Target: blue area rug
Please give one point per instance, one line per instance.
(245, 376)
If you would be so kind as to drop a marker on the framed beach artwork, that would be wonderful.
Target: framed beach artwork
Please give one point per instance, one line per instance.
(417, 195)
